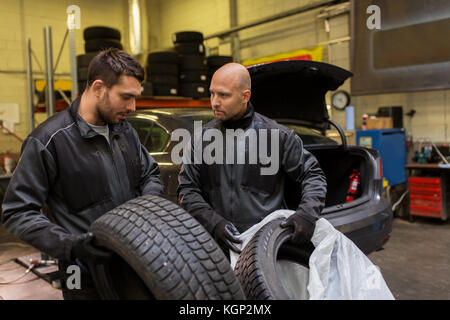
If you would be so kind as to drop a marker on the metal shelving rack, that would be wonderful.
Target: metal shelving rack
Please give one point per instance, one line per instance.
(72, 24)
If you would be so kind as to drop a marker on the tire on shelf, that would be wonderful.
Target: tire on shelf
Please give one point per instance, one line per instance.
(83, 60)
(194, 90)
(94, 45)
(193, 76)
(160, 252)
(192, 62)
(81, 86)
(165, 90)
(218, 61)
(163, 79)
(190, 48)
(147, 89)
(162, 56)
(100, 32)
(162, 68)
(187, 36)
(211, 71)
(83, 73)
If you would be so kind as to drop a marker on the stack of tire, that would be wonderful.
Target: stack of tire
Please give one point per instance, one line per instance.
(96, 38)
(83, 61)
(161, 74)
(193, 74)
(215, 62)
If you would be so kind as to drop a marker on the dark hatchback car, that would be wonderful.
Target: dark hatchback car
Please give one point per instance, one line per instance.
(293, 93)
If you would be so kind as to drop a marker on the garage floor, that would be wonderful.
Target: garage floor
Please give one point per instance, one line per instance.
(415, 263)
(30, 287)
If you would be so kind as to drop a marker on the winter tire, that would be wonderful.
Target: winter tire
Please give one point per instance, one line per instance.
(81, 86)
(187, 36)
(100, 33)
(147, 89)
(194, 90)
(94, 45)
(192, 62)
(211, 72)
(165, 253)
(82, 73)
(190, 48)
(163, 79)
(164, 90)
(218, 61)
(162, 56)
(256, 267)
(193, 76)
(162, 68)
(83, 60)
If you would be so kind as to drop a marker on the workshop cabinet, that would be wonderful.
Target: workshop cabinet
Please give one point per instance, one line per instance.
(428, 197)
(391, 145)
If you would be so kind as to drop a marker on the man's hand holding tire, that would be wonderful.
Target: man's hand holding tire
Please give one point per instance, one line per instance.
(84, 249)
(226, 235)
(303, 225)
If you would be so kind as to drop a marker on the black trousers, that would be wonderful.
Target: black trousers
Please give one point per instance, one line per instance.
(87, 290)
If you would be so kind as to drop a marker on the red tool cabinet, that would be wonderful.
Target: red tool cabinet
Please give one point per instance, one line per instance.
(429, 194)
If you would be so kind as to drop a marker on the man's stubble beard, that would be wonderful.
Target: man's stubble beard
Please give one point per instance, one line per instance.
(103, 105)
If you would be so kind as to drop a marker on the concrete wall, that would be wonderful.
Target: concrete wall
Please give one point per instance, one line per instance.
(301, 31)
(305, 30)
(21, 19)
(432, 118)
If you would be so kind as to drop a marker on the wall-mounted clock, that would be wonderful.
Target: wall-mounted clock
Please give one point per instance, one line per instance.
(340, 100)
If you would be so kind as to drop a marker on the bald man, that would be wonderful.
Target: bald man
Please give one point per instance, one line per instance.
(228, 198)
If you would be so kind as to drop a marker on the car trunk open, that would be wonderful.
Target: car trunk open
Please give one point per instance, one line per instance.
(337, 164)
(295, 90)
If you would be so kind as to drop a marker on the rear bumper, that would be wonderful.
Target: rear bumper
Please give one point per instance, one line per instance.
(368, 226)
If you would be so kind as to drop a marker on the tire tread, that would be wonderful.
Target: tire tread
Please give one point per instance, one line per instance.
(176, 252)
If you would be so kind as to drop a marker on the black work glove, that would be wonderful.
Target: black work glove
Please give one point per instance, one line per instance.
(303, 224)
(84, 250)
(225, 233)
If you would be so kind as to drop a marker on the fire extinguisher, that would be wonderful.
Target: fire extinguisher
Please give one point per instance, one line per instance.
(8, 163)
(354, 186)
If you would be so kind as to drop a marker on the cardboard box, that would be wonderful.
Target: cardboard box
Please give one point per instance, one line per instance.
(380, 123)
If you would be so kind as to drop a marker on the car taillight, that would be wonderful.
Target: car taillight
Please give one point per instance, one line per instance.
(380, 167)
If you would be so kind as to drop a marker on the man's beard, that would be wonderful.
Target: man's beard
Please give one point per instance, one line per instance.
(102, 110)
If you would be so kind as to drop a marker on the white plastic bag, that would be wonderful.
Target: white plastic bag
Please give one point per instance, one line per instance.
(249, 233)
(338, 269)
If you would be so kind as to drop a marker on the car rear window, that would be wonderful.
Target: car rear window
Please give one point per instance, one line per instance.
(310, 136)
(204, 118)
(151, 135)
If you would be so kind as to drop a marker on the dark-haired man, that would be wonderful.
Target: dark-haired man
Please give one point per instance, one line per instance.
(78, 165)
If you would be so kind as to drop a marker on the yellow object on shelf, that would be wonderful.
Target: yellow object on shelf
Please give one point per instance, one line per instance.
(64, 85)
